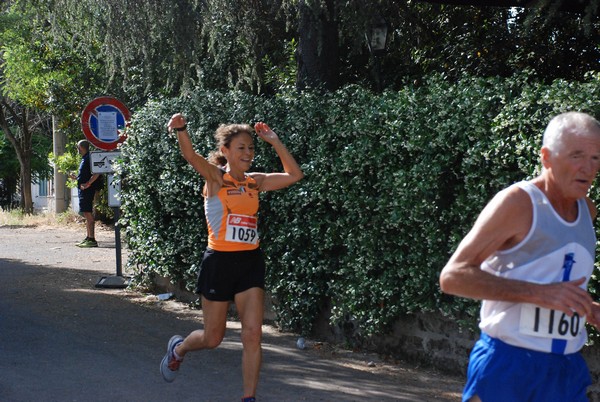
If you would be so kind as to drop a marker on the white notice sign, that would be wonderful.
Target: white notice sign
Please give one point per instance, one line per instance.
(102, 161)
(114, 188)
(107, 126)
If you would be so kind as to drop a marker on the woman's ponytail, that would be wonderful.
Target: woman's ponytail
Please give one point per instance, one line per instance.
(218, 158)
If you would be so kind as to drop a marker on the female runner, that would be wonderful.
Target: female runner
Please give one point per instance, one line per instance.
(233, 267)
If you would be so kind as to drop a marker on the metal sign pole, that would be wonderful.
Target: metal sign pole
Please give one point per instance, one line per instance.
(118, 281)
(118, 240)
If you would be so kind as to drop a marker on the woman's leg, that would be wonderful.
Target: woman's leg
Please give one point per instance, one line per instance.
(214, 315)
(250, 307)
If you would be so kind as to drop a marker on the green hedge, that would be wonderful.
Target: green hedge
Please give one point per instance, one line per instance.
(393, 182)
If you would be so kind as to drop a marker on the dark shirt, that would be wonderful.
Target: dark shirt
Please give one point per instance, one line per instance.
(85, 172)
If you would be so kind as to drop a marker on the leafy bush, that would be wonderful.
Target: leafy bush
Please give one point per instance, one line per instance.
(393, 182)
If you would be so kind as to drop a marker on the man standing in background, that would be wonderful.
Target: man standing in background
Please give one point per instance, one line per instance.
(87, 186)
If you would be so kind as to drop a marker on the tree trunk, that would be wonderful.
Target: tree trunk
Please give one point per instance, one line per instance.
(26, 199)
(61, 199)
(11, 116)
(318, 53)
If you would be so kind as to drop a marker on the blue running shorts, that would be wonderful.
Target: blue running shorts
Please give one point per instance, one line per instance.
(499, 372)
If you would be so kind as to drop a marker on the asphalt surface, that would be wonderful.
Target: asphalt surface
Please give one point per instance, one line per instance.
(63, 339)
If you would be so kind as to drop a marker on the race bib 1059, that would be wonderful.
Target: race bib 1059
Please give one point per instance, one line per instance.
(241, 229)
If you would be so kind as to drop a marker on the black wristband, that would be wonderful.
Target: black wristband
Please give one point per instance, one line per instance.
(180, 128)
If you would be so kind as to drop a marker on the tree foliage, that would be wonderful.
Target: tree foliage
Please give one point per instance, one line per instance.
(164, 47)
(41, 74)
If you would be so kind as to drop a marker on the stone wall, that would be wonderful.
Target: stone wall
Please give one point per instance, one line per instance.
(426, 338)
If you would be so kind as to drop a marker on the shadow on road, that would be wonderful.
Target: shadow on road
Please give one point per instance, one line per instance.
(62, 339)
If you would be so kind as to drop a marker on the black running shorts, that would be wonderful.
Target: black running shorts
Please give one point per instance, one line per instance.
(86, 200)
(223, 274)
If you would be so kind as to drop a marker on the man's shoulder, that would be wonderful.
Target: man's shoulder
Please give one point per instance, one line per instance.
(592, 207)
(508, 216)
(509, 206)
(514, 196)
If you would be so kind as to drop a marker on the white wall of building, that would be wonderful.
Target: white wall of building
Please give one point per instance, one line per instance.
(74, 203)
(40, 192)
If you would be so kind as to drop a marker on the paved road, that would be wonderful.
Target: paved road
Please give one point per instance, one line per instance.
(63, 339)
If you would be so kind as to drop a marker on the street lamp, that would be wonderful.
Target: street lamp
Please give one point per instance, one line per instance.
(377, 39)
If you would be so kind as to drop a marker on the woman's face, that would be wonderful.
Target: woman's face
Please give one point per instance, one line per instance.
(240, 152)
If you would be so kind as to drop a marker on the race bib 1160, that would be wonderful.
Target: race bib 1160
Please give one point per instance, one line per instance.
(546, 323)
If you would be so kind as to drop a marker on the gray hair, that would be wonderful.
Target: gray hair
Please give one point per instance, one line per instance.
(84, 144)
(569, 123)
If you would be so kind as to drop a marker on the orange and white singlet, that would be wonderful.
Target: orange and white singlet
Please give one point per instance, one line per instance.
(232, 215)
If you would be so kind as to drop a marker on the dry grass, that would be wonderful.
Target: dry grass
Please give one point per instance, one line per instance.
(18, 218)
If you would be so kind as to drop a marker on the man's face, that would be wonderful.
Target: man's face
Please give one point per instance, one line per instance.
(575, 164)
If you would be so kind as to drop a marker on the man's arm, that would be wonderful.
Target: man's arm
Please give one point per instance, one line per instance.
(91, 181)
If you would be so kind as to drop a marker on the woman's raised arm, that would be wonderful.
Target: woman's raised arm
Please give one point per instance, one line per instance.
(210, 172)
(291, 171)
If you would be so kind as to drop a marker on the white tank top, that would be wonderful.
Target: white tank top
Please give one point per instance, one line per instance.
(554, 250)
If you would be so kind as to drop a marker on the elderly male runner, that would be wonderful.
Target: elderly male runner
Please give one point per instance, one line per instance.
(529, 257)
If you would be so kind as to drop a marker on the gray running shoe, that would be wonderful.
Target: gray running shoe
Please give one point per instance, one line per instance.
(169, 364)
